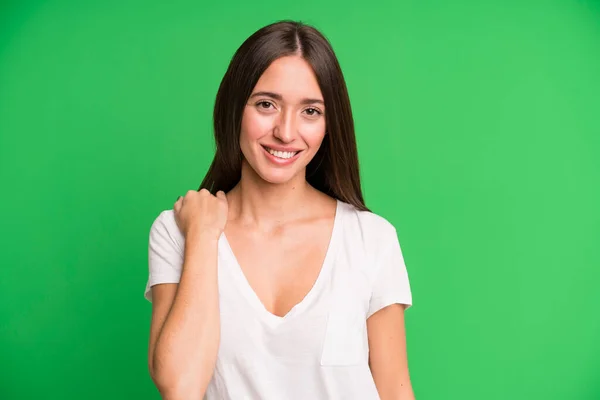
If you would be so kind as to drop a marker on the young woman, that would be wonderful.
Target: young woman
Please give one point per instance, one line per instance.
(282, 285)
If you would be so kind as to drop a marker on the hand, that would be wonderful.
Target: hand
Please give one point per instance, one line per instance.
(200, 213)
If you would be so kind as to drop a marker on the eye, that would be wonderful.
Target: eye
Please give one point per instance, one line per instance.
(265, 105)
(312, 112)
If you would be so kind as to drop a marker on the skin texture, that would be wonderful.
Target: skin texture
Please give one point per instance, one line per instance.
(387, 353)
(185, 325)
(271, 213)
(280, 112)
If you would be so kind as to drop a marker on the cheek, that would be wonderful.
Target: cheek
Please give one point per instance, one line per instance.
(254, 126)
(313, 135)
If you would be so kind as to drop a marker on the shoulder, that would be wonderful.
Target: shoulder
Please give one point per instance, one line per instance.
(165, 251)
(367, 236)
(164, 230)
(367, 225)
(370, 243)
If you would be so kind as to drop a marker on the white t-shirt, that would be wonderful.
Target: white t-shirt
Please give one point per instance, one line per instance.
(319, 350)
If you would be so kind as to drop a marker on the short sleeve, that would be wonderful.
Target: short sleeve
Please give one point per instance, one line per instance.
(165, 254)
(391, 284)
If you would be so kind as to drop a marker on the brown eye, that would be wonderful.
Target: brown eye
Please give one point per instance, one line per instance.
(264, 104)
(312, 112)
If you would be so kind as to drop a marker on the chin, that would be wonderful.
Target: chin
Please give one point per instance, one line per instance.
(273, 174)
(276, 177)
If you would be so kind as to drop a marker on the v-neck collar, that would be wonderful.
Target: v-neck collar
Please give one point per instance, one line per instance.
(247, 290)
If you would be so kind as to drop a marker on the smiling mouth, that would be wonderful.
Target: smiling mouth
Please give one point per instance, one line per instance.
(284, 155)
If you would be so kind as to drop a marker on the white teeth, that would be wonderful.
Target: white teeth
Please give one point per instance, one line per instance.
(282, 154)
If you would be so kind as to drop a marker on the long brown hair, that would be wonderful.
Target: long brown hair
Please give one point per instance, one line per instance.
(334, 169)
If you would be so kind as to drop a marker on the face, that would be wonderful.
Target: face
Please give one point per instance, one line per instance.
(283, 124)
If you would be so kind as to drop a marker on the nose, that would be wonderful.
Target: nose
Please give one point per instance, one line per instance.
(285, 128)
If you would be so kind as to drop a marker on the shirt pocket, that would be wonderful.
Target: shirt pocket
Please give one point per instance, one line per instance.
(345, 341)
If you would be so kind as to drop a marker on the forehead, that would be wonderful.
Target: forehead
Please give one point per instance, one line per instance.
(290, 76)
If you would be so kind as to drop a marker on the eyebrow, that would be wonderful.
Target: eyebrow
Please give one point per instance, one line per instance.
(279, 97)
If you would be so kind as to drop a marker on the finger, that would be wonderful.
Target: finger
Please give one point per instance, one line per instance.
(221, 195)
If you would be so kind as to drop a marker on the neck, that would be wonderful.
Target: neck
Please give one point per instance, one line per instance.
(253, 201)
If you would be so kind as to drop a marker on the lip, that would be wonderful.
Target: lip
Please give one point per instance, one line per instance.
(281, 148)
(280, 161)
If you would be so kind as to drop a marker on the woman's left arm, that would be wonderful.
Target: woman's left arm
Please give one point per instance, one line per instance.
(387, 353)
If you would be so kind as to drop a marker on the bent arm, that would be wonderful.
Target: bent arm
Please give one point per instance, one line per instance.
(185, 327)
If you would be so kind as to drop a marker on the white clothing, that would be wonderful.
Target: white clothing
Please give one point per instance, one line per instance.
(319, 350)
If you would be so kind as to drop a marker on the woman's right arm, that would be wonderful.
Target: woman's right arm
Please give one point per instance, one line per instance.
(185, 327)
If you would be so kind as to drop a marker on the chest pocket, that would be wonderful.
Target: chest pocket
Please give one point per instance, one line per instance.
(345, 341)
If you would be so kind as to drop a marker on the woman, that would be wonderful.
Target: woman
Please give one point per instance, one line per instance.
(282, 285)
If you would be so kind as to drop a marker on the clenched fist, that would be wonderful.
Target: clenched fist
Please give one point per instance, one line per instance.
(199, 213)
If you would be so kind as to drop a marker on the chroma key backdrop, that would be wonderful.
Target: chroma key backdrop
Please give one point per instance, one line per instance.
(478, 127)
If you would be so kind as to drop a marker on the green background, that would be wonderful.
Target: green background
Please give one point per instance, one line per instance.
(478, 127)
